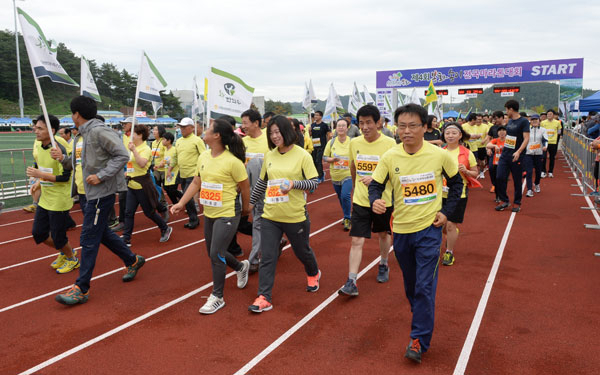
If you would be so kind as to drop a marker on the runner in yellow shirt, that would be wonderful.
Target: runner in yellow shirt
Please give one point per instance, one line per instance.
(337, 154)
(158, 159)
(365, 154)
(172, 169)
(287, 172)
(189, 147)
(140, 188)
(52, 218)
(220, 174)
(553, 128)
(415, 169)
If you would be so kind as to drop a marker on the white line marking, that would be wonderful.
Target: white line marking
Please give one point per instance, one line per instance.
(248, 366)
(140, 318)
(26, 220)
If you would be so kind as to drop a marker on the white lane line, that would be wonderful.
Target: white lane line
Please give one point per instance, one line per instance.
(465, 353)
(26, 220)
(140, 318)
(137, 232)
(121, 268)
(248, 366)
(587, 199)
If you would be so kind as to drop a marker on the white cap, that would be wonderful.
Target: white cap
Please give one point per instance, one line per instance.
(130, 120)
(186, 121)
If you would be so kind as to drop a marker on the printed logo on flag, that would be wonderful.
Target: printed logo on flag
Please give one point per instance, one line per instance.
(229, 88)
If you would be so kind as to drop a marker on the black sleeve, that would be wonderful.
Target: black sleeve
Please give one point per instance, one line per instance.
(376, 190)
(65, 176)
(455, 186)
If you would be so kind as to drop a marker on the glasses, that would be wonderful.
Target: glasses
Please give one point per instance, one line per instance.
(409, 126)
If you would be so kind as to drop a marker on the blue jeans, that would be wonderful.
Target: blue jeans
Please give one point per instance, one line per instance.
(418, 255)
(94, 234)
(344, 193)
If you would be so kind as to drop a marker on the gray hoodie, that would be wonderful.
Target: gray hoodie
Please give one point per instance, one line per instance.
(103, 154)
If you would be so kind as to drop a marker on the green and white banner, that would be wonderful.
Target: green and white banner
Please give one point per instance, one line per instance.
(150, 82)
(88, 86)
(42, 55)
(355, 101)
(228, 94)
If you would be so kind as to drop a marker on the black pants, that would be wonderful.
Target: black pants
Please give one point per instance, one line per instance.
(531, 162)
(317, 155)
(137, 197)
(505, 167)
(552, 150)
(191, 205)
(173, 193)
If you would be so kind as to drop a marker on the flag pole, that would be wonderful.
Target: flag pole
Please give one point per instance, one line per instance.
(44, 110)
(137, 92)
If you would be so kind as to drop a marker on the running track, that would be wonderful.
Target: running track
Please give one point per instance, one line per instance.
(541, 316)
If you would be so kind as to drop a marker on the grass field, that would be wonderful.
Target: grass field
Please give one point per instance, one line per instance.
(13, 180)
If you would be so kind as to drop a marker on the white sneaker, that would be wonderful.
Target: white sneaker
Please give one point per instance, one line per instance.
(543, 175)
(529, 193)
(550, 175)
(481, 176)
(242, 276)
(213, 304)
(537, 188)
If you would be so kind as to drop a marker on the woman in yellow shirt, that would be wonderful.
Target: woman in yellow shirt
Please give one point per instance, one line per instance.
(337, 154)
(171, 169)
(140, 188)
(220, 173)
(287, 172)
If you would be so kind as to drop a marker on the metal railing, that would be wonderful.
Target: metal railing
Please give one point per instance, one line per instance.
(14, 182)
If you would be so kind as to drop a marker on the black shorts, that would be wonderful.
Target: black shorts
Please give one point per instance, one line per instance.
(51, 223)
(364, 221)
(458, 215)
(481, 153)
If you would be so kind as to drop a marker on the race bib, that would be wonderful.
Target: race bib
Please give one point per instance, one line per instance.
(366, 164)
(551, 133)
(316, 142)
(211, 194)
(156, 152)
(342, 164)
(274, 194)
(510, 142)
(254, 155)
(78, 150)
(44, 182)
(534, 146)
(418, 188)
(130, 168)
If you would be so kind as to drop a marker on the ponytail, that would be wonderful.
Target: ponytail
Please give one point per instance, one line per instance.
(229, 139)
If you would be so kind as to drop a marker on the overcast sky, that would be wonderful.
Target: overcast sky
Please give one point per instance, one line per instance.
(276, 46)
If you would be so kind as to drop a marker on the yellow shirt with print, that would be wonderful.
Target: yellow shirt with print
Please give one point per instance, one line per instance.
(256, 148)
(171, 162)
(552, 128)
(365, 156)
(472, 162)
(296, 164)
(220, 177)
(78, 170)
(133, 168)
(158, 153)
(340, 169)
(56, 196)
(188, 150)
(417, 184)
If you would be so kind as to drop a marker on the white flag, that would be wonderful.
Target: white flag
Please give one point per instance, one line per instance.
(88, 86)
(333, 102)
(42, 55)
(306, 101)
(368, 97)
(311, 90)
(150, 82)
(355, 101)
(400, 98)
(196, 109)
(414, 98)
(228, 94)
(438, 109)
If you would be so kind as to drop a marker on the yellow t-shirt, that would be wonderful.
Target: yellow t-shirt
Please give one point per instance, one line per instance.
(417, 184)
(158, 153)
(56, 196)
(296, 164)
(365, 156)
(475, 144)
(60, 140)
(188, 150)
(171, 161)
(472, 162)
(256, 148)
(78, 170)
(126, 140)
(552, 128)
(340, 169)
(220, 176)
(133, 169)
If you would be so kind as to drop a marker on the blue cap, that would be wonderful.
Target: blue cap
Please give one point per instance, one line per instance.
(535, 116)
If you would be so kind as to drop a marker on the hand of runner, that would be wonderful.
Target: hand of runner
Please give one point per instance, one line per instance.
(35, 187)
(33, 172)
(246, 211)
(92, 179)
(516, 156)
(462, 168)
(366, 180)
(286, 189)
(440, 219)
(176, 208)
(56, 154)
(544, 149)
(379, 206)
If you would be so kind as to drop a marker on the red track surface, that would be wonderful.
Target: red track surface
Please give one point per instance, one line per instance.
(541, 317)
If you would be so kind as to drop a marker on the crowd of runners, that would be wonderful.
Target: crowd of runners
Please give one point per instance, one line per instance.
(406, 180)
